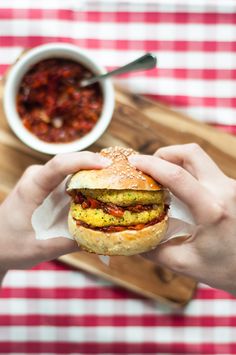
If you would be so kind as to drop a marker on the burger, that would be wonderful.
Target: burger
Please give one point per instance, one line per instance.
(118, 210)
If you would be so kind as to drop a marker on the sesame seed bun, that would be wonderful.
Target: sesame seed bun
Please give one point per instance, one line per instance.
(120, 175)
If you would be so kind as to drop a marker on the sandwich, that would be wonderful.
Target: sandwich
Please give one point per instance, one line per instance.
(118, 210)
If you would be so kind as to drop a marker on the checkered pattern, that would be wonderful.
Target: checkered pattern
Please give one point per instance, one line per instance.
(55, 310)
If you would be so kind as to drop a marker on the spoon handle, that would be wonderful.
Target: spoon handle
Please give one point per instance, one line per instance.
(147, 61)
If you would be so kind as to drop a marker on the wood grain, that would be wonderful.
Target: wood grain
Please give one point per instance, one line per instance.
(144, 126)
(139, 275)
(154, 125)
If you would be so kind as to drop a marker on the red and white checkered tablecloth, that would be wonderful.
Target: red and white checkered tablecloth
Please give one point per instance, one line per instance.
(52, 309)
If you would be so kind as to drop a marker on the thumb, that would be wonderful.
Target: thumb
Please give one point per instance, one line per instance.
(40, 180)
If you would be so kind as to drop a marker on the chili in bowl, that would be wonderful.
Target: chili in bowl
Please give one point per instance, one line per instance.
(45, 105)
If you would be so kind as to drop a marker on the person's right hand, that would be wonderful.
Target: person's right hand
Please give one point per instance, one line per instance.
(191, 175)
(19, 249)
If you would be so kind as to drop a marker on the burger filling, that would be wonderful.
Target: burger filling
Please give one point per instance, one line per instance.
(117, 210)
(125, 197)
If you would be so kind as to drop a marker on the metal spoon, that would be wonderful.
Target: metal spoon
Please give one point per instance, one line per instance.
(147, 61)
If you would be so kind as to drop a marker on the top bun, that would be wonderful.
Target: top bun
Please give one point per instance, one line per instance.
(119, 175)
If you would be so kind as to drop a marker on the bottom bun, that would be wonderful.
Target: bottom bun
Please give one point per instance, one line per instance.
(127, 242)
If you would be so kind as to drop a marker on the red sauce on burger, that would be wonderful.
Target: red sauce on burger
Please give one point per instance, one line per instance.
(52, 105)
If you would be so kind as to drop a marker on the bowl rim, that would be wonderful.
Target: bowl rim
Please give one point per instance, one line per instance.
(14, 77)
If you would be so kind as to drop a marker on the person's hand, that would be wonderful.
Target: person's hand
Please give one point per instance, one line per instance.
(210, 254)
(19, 248)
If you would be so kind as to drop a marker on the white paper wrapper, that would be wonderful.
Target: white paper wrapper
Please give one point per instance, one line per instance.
(50, 218)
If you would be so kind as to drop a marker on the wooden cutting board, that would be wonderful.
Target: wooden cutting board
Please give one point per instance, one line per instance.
(144, 126)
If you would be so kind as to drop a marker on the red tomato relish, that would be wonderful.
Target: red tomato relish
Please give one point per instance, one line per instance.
(52, 105)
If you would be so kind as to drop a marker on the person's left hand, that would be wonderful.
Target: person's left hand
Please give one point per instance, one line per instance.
(19, 249)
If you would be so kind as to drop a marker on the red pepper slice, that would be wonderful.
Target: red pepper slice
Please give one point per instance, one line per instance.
(137, 227)
(85, 205)
(93, 203)
(114, 210)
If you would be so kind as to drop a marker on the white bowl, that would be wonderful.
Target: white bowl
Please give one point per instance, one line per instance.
(33, 56)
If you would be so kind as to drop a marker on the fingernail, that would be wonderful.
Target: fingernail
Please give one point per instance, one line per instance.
(105, 161)
(133, 159)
